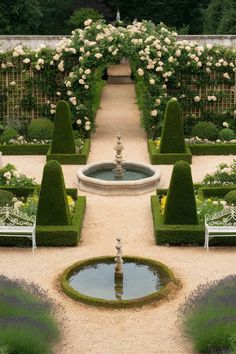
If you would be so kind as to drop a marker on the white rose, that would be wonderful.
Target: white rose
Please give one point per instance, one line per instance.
(152, 81)
(61, 65)
(98, 55)
(69, 93)
(140, 72)
(12, 83)
(81, 81)
(158, 101)
(88, 22)
(226, 76)
(79, 121)
(197, 98)
(58, 93)
(154, 113)
(225, 124)
(40, 61)
(87, 71)
(37, 67)
(26, 60)
(167, 40)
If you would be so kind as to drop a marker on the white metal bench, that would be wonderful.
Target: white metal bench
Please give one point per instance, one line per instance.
(14, 223)
(220, 224)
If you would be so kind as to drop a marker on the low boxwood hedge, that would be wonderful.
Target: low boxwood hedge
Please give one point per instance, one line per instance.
(72, 159)
(157, 158)
(213, 149)
(209, 192)
(198, 149)
(24, 149)
(63, 235)
(181, 234)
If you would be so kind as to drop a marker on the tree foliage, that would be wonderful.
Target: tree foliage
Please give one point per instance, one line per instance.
(219, 17)
(78, 17)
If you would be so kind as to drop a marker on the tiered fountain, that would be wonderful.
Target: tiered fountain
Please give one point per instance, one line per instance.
(118, 177)
(121, 282)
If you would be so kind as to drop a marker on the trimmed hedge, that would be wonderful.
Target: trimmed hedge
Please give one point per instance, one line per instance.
(181, 234)
(63, 138)
(157, 158)
(56, 236)
(53, 206)
(181, 203)
(172, 137)
(24, 149)
(72, 159)
(213, 149)
(198, 149)
(208, 192)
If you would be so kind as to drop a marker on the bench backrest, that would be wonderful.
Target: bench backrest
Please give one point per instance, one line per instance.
(226, 217)
(10, 216)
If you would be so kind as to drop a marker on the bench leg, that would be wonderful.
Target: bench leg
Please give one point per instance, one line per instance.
(33, 242)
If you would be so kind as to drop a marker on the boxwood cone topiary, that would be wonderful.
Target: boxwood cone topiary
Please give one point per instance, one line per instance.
(53, 206)
(180, 206)
(172, 137)
(63, 138)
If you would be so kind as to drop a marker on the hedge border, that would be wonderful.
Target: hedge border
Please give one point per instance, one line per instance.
(213, 149)
(24, 149)
(72, 159)
(181, 234)
(157, 158)
(63, 236)
(197, 150)
(208, 192)
(172, 285)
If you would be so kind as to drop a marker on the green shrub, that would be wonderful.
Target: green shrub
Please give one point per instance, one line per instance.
(205, 130)
(5, 197)
(40, 129)
(78, 17)
(8, 134)
(63, 139)
(53, 206)
(180, 206)
(230, 197)
(26, 322)
(209, 316)
(172, 138)
(226, 134)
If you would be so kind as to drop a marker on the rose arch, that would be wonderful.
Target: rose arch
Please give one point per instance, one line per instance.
(200, 77)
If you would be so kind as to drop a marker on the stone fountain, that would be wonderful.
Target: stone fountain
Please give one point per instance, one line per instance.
(118, 177)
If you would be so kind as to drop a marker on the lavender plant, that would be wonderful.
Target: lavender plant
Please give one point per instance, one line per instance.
(27, 324)
(209, 316)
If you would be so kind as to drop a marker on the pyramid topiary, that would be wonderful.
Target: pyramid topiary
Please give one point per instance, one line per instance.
(181, 204)
(63, 139)
(172, 137)
(53, 206)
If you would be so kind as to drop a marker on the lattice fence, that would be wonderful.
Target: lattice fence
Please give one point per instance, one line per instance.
(14, 104)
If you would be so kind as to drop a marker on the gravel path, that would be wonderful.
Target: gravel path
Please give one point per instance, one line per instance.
(151, 329)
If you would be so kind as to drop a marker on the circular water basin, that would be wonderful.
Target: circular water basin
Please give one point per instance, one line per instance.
(100, 178)
(93, 281)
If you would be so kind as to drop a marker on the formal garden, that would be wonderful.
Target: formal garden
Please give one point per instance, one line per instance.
(119, 251)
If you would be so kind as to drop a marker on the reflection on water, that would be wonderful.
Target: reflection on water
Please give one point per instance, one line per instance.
(98, 281)
(109, 175)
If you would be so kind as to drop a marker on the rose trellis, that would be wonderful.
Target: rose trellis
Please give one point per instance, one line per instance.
(202, 78)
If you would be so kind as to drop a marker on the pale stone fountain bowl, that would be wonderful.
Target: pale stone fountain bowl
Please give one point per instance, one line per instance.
(118, 186)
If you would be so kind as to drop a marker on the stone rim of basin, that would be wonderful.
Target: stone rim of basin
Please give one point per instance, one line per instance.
(118, 187)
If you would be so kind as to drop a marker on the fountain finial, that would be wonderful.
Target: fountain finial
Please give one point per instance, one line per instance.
(119, 260)
(119, 170)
